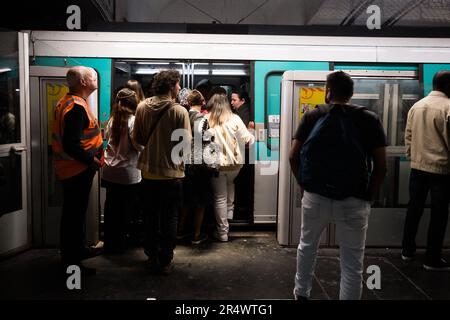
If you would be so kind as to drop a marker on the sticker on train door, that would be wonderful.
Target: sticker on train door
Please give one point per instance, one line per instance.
(310, 97)
(54, 92)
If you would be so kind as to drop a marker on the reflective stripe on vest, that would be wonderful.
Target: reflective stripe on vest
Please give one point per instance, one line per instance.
(91, 140)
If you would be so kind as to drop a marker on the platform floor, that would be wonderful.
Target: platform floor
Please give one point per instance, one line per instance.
(250, 266)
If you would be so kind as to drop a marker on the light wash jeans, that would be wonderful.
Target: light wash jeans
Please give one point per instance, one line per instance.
(223, 187)
(350, 216)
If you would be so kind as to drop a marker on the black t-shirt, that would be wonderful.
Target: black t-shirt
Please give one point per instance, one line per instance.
(244, 113)
(367, 123)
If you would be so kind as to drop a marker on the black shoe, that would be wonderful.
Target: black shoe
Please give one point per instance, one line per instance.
(153, 265)
(87, 271)
(200, 239)
(407, 255)
(441, 265)
(300, 298)
(167, 269)
(91, 252)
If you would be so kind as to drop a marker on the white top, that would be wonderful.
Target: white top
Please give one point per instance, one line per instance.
(231, 138)
(121, 160)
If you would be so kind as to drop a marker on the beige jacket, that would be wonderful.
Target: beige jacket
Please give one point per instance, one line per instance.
(156, 158)
(231, 138)
(427, 134)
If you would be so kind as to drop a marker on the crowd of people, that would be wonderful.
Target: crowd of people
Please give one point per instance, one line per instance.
(139, 163)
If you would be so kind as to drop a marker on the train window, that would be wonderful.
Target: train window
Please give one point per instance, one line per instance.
(391, 100)
(9, 90)
(228, 75)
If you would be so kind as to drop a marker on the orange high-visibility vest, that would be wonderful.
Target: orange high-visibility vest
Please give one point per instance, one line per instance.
(91, 139)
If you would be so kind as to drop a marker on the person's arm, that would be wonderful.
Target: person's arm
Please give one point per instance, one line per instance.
(138, 127)
(135, 145)
(378, 172)
(408, 135)
(294, 158)
(75, 121)
(242, 132)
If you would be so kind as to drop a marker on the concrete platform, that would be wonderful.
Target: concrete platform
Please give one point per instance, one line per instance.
(250, 266)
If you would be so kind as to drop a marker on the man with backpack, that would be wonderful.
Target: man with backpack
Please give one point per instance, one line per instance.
(331, 157)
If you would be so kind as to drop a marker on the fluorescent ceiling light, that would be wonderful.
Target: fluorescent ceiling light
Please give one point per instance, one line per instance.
(153, 71)
(158, 63)
(229, 64)
(2, 70)
(230, 72)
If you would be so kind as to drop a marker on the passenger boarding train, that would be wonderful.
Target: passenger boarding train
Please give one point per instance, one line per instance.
(284, 76)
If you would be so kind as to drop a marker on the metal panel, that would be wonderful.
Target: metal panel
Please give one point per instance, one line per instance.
(239, 47)
(289, 220)
(380, 233)
(386, 107)
(15, 226)
(394, 114)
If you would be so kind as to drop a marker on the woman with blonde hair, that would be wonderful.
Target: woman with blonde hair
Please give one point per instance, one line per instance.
(137, 88)
(120, 175)
(230, 135)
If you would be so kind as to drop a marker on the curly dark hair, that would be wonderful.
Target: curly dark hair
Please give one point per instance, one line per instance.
(165, 81)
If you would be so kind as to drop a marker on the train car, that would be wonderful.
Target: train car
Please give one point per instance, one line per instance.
(390, 75)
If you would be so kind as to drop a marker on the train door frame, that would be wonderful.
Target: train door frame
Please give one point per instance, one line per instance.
(15, 226)
(289, 215)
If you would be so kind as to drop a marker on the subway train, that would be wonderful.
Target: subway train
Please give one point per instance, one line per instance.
(284, 76)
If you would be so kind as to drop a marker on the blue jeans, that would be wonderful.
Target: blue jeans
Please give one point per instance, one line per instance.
(420, 183)
(162, 200)
(351, 217)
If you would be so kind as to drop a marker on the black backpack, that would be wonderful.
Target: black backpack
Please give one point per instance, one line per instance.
(333, 159)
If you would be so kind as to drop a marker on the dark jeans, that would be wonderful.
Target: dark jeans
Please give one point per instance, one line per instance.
(161, 200)
(420, 183)
(75, 202)
(118, 205)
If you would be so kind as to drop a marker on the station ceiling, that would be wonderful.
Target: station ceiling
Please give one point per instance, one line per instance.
(334, 17)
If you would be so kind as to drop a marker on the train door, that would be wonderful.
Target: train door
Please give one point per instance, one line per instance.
(14, 144)
(215, 75)
(47, 86)
(390, 94)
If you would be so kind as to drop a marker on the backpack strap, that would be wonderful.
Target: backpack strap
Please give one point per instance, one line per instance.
(155, 124)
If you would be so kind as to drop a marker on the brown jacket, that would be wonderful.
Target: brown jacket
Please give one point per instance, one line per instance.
(427, 134)
(156, 158)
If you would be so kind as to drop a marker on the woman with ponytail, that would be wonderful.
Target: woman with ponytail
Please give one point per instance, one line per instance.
(120, 175)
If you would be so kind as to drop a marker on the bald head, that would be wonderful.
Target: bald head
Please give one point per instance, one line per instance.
(82, 80)
(441, 82)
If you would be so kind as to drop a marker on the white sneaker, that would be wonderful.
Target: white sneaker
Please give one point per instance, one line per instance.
(220, 237)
